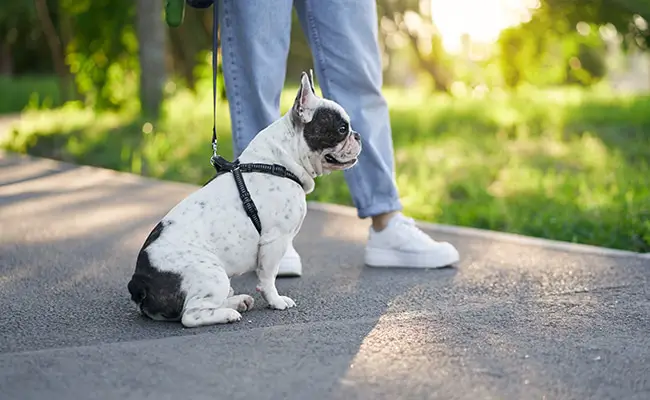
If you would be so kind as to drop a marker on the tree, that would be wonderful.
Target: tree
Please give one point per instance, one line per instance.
(57, 49)
(561, 43)
(418, 11)
(622, 14)
(150, 28)
(19, 24)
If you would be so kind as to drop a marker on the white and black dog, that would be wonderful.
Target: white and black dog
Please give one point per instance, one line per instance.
(184, 268)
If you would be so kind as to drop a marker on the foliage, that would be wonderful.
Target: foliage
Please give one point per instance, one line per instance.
(622, 14)
(101, 46)
(549, 51)
(564, 164)
(103, 56)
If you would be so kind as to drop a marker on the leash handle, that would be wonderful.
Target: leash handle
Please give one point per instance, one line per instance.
(174, 12)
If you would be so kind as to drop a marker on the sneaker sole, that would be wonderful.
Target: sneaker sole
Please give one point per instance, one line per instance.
(394, 259)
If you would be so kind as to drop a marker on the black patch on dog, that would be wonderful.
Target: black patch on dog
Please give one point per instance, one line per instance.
(322, 132)
(154, 234)
(156, 292)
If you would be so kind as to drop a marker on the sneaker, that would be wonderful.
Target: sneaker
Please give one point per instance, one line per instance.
(290, 264)
(403, 244)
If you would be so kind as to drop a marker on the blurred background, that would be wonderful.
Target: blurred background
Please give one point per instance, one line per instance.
(526, 116)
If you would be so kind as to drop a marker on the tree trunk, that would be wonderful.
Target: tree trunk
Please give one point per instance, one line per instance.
(65, 26)
(54, 43)
(150, 28)
(442, 77)
(181, 61)
(6, 60)
(187, 41)
(439, 74)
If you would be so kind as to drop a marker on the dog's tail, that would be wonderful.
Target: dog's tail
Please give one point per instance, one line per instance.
(161, 301)
(138, 288)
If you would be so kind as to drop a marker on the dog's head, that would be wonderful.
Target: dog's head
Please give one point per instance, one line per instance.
(324, 125)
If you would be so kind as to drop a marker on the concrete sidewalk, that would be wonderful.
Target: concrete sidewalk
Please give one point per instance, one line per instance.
(512, 321)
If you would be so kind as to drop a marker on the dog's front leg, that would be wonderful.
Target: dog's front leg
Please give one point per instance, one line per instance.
(269, 258)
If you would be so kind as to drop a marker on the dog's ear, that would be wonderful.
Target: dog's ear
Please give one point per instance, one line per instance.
(306, 99)
(311, 80)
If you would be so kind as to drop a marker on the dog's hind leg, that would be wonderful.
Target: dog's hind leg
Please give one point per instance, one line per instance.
(240, 302)
(202, 316)
(207, 299)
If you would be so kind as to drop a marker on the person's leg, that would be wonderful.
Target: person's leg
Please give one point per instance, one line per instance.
(255, 37)
(343, 38)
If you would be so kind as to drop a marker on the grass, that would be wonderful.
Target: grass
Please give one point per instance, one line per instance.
(566, 164)
(17, 93)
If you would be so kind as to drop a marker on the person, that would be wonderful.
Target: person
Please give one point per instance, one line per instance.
(343, 37)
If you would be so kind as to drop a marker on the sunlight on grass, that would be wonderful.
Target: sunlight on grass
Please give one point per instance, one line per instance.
(562, 164)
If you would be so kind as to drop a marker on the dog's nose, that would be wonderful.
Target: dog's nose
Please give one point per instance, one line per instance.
(356, 136)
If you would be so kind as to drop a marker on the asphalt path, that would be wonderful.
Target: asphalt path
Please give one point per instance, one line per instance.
(508, 322)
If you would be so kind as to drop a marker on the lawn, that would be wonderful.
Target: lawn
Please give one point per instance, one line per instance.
(16, 93)
(563, 164)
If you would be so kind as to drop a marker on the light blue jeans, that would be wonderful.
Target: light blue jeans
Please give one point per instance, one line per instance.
(342, 35)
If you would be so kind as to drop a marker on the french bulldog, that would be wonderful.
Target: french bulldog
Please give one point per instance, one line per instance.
(183, 270)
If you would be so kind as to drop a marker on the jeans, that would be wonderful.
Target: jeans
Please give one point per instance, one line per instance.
(342, 35)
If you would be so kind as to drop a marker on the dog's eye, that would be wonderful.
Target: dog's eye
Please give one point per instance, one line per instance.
(343, 129)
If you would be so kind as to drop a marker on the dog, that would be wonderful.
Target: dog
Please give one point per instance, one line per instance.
(183, 270)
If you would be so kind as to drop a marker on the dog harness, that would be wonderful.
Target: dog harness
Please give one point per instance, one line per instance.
(174, 12)
(222, 166)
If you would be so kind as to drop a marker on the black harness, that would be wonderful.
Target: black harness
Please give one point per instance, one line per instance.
(220, 164)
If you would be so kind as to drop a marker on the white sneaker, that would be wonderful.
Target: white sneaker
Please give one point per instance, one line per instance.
(290, 264)
(403, 244)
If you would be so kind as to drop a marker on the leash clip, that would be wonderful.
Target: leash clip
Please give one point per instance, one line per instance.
(221, 164)
(214, 149)
(213, 159)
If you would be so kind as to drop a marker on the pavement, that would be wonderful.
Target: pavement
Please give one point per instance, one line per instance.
(510, 321)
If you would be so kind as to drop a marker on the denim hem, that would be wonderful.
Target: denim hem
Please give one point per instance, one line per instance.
(379, 208)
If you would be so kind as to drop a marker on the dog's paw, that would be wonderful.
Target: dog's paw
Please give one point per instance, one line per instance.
(246, 303)
(282, 303)
(232, 315)
(240, 302)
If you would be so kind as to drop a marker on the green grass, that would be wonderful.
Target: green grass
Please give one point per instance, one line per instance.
(566, 164)
(17, 93)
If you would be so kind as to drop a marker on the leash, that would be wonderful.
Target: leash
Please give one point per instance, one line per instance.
(216, 159)
(174, 17)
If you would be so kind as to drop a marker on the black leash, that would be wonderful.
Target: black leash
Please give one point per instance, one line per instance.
(215, 48)
(220, 164)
